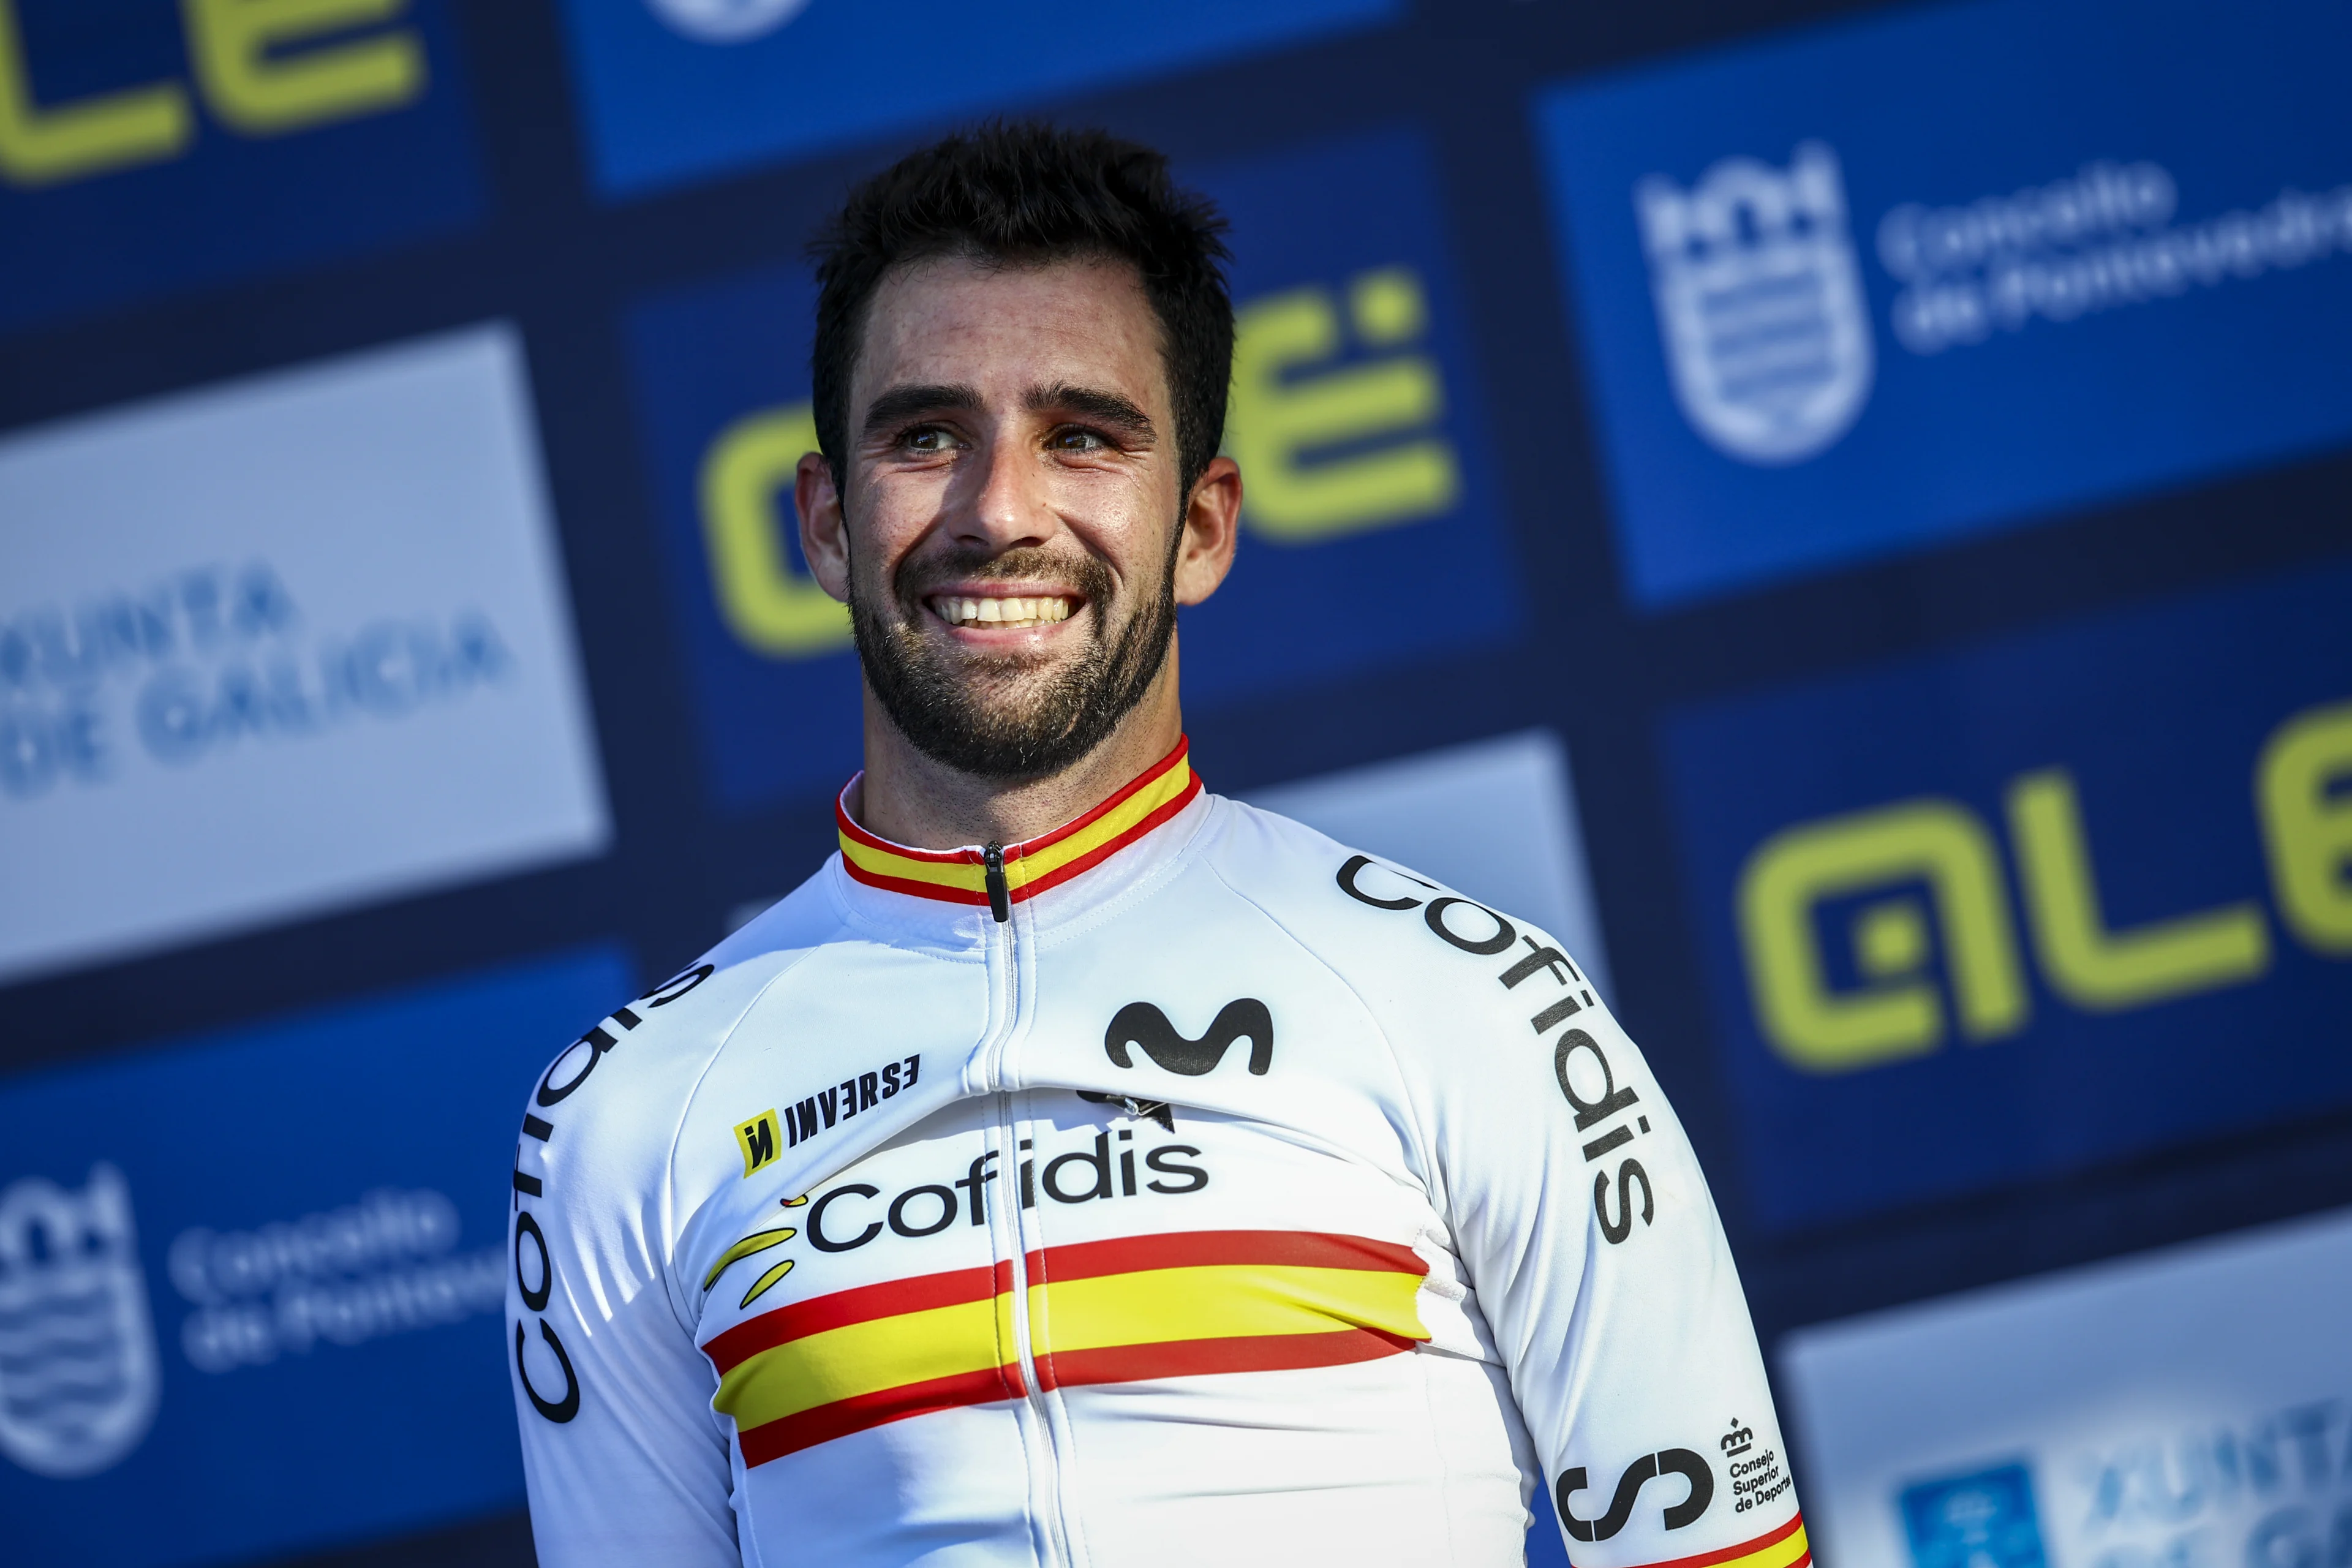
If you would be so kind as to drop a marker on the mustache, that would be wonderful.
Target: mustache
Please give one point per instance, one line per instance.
(1023, 564)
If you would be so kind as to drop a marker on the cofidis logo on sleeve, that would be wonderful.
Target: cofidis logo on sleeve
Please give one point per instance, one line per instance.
(2033, 905)
(280, 1250)
(1907, 281)
(1354, 416)
(146, 147)
(279, 645)
(680, 89)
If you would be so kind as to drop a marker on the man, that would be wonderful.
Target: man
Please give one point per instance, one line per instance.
(1080, 1168)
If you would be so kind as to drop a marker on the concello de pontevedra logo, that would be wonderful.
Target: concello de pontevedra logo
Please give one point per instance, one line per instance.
(1143, 1024)
(1761, 303)
(78, 1378)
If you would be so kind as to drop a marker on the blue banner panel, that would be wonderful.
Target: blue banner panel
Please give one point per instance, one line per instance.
(681, 90)
(722, 382)
(1904, 280)
(1372, 532)
(2013, 911)
(1354, 415)
(251, 1285)
(147, 147)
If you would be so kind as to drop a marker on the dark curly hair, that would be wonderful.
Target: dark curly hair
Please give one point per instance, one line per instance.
(1024, 193)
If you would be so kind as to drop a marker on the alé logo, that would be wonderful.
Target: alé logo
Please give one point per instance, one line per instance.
(1761, 304)
(259, 71)
(1931, 865)
(78, 1374)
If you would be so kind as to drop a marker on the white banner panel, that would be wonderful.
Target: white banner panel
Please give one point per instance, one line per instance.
(2190, 1409)
(283, 644)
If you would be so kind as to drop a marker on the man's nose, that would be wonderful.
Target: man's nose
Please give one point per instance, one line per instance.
(1007, 505)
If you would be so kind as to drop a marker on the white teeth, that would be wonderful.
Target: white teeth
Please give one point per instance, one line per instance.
(958, 611)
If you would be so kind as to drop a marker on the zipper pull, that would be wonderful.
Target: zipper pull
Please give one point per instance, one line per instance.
(1000, 896)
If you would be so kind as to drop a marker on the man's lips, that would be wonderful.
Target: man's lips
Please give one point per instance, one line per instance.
(1002, 610)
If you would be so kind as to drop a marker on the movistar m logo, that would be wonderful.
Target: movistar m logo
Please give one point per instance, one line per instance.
(1143, 1024)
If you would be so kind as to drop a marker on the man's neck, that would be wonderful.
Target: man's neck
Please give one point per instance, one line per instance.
(912, 799)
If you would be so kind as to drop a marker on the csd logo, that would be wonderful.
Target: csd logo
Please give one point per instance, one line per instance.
(1936, 856)
(1298, 399)
(1681, 1462)
(260, 68)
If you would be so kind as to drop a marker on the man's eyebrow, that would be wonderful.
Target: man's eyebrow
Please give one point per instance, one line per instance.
(900, 403)
(1109, 407)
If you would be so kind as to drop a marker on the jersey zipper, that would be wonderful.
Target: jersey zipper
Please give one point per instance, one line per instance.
(1056, 1538)
(1000, 896)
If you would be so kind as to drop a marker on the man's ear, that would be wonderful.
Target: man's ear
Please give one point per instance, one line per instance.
(1212, 524)
(824, 532)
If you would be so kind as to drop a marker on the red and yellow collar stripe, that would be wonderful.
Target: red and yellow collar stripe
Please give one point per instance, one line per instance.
(956, 876)
(1783, 1547)
(1139, 1307)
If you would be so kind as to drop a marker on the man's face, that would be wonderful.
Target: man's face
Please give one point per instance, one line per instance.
(1012, 539)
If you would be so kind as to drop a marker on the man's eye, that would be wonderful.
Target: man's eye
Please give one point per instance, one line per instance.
(1077, 441)
(926, 439)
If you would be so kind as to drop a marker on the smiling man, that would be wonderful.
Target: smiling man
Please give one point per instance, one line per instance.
(1081, 1168)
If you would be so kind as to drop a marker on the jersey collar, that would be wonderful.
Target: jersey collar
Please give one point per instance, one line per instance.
(1034, 865)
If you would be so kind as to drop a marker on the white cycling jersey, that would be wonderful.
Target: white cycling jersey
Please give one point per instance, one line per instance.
(1192, 1189)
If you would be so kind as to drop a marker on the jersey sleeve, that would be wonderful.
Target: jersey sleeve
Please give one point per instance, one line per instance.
(1591, 1245)
(626, 1462)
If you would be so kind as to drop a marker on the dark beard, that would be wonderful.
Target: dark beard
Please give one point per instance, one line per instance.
(946, 715)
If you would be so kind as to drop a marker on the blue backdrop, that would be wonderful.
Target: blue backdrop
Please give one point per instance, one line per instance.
(1902, 452)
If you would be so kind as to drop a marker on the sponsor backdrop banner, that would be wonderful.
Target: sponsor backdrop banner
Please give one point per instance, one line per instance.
(279, 645)
(1901, 453)
(146, 147)
(2014, 908)
(677, 89)
(2190, 1407)
(250, 1284)
(1904, 279)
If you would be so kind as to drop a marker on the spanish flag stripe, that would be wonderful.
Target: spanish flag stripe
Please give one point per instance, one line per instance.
(1785, 1547)
(826, 1422)
(1197, 1248)
(1031, 866)
(947, 892)
(859, 1360)
(1168, 771)
(1115, 822)
(1155, 1307)
(864, 1303)
(1102, 1311)
(1198, 1358)
(1093, 857)
(1241, 1301)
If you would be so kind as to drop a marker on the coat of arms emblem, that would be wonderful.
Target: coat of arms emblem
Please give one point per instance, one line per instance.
(1761, 303)
(78, 1378)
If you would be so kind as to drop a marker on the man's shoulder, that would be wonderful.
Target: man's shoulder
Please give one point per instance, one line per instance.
(1398, 937)
(627, 1081)
(1357, 909)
